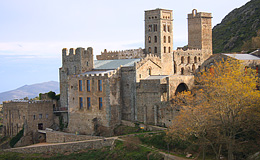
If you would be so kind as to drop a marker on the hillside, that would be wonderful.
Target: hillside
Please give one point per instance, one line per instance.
(30, 91)
(237, 28)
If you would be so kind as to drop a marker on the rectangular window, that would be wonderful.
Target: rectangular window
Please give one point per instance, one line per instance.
(100, 103)
(88, 102)
(80, 85)
(100, 85)
(40, 116)
(88, 85)
(34, 117)
(80, 102)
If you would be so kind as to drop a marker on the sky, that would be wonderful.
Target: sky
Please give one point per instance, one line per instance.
(33, 32)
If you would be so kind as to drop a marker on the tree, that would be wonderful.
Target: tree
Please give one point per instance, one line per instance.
(223, 107)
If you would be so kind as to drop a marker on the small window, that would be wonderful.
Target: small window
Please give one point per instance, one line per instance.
(164, 49)
(88, 85)
(34, 117)
(164, 28)
(149, 39)
(88, 102)
(150, 28)
(182, 59)
(40, 116)
(149, 50)
(100, 103)
(80, 85)
(199, 59)
(99, 85)
(87, 63)
(169, 29)
(155, 49)
(164, 39)
(169, 49)
(155, 27)
(182, 71)
(195, 59)
(80, 102)
(47, 116)
(169, 39)
(188, 59)
(140, 76)
(150, 71)
(155, 39)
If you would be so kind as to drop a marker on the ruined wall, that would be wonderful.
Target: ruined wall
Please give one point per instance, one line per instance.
(150, 95)
(124, 54)
(30, 114)
(186, 62)
(89, 117)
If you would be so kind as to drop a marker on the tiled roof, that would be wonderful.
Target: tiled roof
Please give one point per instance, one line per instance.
(243, 56)
(113, 64)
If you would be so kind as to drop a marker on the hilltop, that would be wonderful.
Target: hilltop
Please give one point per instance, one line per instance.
(30, 91)
(239, 30)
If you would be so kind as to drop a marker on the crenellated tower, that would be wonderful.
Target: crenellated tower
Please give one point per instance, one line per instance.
(73, 62)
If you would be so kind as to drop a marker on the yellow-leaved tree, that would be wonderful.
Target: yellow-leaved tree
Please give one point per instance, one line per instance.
(223, 107)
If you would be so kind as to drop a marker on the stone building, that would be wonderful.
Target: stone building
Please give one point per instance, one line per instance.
(30, 115)
(134, 85)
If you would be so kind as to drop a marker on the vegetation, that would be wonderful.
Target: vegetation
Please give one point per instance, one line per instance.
(16, 138)
(223, 114)
(122, 151)
(51, 95)
(237, 29)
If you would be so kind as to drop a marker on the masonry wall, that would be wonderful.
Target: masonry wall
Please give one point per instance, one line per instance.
(124, 54)
(93, 119)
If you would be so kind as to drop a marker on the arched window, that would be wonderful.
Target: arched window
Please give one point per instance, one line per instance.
(164, 39)
(199, 59)
(149, 39)
(169, 28)
(182, 59)
(164, 28)
(195, 59)
(182, 71)
(155, 49)
(155, 27)
(149, 50)
(193, 68)
(188, 59)
(169, 49)
(155, 39)
(164, 49)
(169, 39)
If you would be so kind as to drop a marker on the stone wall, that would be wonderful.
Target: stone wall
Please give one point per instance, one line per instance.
(61, 137)
(124, 54)
(65, 147)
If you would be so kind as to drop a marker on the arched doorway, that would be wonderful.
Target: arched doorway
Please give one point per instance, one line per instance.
(181, 88)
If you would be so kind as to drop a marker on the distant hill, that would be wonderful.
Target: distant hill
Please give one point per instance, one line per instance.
(238, 29)
(30, 91)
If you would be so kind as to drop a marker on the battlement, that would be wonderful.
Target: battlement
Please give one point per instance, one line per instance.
(147, 58)
(76, 51)
(28, 101)
(121, 54)
(196, 14)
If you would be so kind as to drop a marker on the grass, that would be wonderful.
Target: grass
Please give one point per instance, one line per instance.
(121, 151)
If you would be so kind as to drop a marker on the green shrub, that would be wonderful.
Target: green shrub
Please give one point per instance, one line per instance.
(16, 138)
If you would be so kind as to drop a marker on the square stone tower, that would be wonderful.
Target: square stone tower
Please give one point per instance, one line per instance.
(200, 32)
(159, 36)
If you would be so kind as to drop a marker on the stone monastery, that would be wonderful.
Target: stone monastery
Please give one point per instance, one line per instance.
(132, 85)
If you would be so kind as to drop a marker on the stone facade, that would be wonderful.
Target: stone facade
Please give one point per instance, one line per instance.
(32, 115)
(137, 90)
